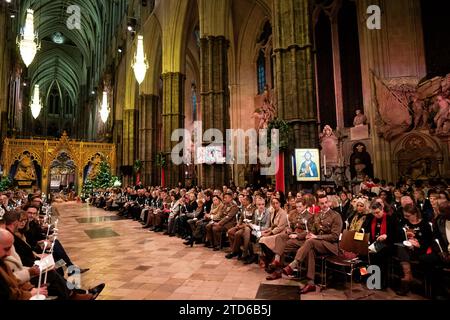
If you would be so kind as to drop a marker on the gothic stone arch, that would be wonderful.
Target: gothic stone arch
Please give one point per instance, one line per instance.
(418, 156)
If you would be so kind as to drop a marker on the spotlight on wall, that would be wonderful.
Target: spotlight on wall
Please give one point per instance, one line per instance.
(131, 25)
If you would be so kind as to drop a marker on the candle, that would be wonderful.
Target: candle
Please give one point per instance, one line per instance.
(439, 244)
(306, 225)
(51, 252)
(406, 235)
(325, 164)
(38, 295)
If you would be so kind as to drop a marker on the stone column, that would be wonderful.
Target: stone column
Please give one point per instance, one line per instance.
(130, 138)
(294, 69)
(4, 73)
(118, 141)
(215, 100)
(337, 73)
(173, 118)
(148, 136)
(395, 51)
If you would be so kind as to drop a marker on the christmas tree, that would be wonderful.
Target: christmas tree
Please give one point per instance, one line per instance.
(104, 179)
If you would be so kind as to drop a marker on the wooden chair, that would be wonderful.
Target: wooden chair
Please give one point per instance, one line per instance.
(348, 243)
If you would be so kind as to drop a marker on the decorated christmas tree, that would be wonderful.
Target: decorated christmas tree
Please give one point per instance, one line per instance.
(104, 179)
(104, 176)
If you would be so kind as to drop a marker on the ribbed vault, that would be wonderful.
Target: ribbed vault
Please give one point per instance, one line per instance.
(68, 63)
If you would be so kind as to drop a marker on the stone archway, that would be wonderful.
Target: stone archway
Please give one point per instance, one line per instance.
(63, 173)
(418, 157)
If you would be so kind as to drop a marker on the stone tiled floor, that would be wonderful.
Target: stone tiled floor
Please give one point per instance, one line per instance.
(138, 264)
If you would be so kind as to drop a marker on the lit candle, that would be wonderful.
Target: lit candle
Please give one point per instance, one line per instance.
(439, 244)
(38, 296)
(51, 252)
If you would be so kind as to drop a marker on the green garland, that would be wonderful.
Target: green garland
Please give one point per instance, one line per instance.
(6, 184)
(284, 131)
(161, 160)
(137, 166)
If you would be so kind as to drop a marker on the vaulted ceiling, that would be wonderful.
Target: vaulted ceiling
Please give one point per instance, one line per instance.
(68, 53)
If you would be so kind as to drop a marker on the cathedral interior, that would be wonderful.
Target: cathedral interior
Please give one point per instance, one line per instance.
(361, 87)
(233, 65)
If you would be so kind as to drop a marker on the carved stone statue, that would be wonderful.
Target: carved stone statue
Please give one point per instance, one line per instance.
(95, 166)
(418, 159)
(393, 115)
(25, 169)
(329, 144)
(266, 112)
(360, 162)
(360, 119)
(443, 115)
(420, 112)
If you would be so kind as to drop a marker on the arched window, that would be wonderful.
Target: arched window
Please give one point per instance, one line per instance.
(261, 71)
(264, 63)
(54, 101)
(194, 101)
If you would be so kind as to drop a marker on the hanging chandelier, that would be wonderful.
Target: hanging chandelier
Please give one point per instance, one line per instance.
(36, 105)
(28, 43)
(104, 110)
(140, 64)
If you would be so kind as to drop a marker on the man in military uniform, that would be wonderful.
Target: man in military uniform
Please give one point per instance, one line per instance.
(227, 222)
(300, 220)
(240, 234)
(322, 239)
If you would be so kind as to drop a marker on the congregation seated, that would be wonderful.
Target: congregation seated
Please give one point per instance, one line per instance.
(256, 225)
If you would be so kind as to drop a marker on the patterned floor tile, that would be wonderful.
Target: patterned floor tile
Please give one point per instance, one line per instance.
(137, 264)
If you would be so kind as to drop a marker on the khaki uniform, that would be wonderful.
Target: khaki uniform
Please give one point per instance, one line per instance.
(292, 245)
(217, 215)
(228, 221)
(241, 233)
(327, 227)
